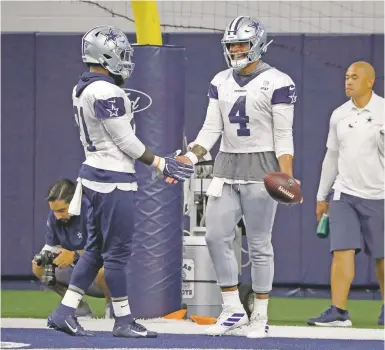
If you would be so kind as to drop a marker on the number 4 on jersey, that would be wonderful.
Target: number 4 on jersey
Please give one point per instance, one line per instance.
(238, 115)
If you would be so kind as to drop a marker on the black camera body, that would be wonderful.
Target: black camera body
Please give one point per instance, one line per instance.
(46, 258)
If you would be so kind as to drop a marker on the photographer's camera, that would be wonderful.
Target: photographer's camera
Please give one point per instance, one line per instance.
(46, 258)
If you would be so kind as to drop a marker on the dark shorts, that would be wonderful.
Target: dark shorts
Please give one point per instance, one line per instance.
(357, 223)
(110, 225)
(63, 276)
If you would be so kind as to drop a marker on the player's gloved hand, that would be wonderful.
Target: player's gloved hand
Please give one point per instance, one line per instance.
(65, 258)
(177, 170)
(322, 208)
(173, 169)
(182, 159)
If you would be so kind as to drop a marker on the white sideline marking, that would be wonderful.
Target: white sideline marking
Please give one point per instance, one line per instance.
(144, 348)
(188, 327)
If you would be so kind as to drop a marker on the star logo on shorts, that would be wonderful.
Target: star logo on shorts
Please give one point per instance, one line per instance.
(80, 235)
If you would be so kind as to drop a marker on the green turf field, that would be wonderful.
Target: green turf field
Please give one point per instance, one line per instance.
(282, 311)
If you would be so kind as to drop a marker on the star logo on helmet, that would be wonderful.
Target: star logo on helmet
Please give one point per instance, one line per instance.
(255, 26)
(111, 36)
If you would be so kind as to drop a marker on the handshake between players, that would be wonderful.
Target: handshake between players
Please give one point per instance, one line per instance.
(174, 169)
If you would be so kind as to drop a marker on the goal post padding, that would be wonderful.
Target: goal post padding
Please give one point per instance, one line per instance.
(157, 91)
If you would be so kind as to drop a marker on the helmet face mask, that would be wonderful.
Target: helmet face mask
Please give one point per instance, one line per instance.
(109, 47)
(237, 59)
(126, 66)
(244, 30)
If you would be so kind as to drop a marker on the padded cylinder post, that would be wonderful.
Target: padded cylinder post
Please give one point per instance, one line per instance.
(156, 90)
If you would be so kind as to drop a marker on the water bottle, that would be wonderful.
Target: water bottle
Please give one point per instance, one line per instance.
(323, 226)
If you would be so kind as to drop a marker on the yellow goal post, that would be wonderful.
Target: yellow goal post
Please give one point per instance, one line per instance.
(147, 24)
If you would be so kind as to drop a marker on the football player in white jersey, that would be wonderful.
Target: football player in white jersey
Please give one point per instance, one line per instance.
(251, 105)
(103, 113)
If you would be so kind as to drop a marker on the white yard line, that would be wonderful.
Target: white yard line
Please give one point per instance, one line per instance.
(188, 327)
(15, 346)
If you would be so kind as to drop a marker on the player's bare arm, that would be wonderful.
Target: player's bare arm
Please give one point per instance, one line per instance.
(286, 164)
(147, 157)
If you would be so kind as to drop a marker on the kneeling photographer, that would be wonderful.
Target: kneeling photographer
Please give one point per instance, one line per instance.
(65, 239)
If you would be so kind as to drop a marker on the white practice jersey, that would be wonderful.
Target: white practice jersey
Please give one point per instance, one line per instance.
(97, 109)
(252, 114)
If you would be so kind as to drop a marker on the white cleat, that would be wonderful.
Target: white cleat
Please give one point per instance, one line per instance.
(230, 318)
(258, 327)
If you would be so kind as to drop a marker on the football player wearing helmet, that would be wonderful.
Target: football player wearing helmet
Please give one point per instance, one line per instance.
(103, 113)
(251, 106)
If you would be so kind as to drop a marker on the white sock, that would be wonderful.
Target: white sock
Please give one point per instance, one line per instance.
(72, 299)
(260, 307)
(121, 307)
(231, 298)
